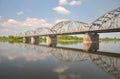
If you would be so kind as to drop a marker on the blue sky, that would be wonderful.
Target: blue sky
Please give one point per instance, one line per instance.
(21, 15)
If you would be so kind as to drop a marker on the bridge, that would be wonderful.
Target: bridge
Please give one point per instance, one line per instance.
(109, 22)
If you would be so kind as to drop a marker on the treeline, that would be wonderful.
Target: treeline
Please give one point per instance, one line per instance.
(61, 39)
(11, 38)
(69, 38)
(109, 39)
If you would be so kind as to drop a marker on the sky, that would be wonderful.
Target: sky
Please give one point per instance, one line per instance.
(21, 15)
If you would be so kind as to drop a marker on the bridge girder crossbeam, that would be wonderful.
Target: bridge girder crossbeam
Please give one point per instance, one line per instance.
(74, 33)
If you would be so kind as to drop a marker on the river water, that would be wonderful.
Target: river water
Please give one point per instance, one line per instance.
(65, 61)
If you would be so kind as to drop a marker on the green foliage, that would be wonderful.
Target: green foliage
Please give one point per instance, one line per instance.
(65, 37)
(3, 38)
(42, 39)
(11, 39)
(109, 39)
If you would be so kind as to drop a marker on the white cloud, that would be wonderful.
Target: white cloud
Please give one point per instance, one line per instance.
(7, 31)
(14, 26)
(59, 20)
(63, 2)
(28, 22)
(11, 27)
(11, 23)
(73, 3)
(61, 10)
(35, 22)
(20, 13)
(70, 2)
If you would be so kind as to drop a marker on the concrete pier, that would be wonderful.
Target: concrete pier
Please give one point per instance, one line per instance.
(91, 42)
(51, 40)
(91, 38)
(26, 39)
(35, 40)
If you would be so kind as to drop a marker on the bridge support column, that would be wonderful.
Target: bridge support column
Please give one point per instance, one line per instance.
(26, 39)
(91, 38)
(91, 42)
(35, 40)
(51, 40)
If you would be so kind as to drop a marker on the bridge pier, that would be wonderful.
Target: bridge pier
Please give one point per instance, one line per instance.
(91, 42)
(51, 40)
(26, 39)
(91, 38)
(35, 40)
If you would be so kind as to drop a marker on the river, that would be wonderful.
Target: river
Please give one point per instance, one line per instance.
(65, 61)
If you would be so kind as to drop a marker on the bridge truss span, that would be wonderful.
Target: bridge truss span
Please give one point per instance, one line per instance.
(70, 27)
(37, 32)
(110, 20)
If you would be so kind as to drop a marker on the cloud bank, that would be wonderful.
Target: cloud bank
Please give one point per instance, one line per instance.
(13, 26)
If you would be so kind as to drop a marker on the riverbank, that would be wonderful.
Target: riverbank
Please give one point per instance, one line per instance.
(109, 39)
(61, 39)
(11, 39)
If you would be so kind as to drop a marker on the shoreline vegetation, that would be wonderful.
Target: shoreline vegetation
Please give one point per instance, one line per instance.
(11, 39)
(61, 39)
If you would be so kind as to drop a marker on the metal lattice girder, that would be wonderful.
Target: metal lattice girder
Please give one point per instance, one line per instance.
(21, 34)
(38, 31)
(110, 20)
(43, 31)
(69, 26)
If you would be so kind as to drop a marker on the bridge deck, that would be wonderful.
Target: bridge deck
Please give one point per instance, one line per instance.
(82, 32)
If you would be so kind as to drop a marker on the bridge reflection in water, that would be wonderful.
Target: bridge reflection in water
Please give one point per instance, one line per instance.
(107, 61)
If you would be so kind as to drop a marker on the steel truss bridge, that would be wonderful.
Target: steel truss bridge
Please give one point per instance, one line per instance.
(109, 22)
